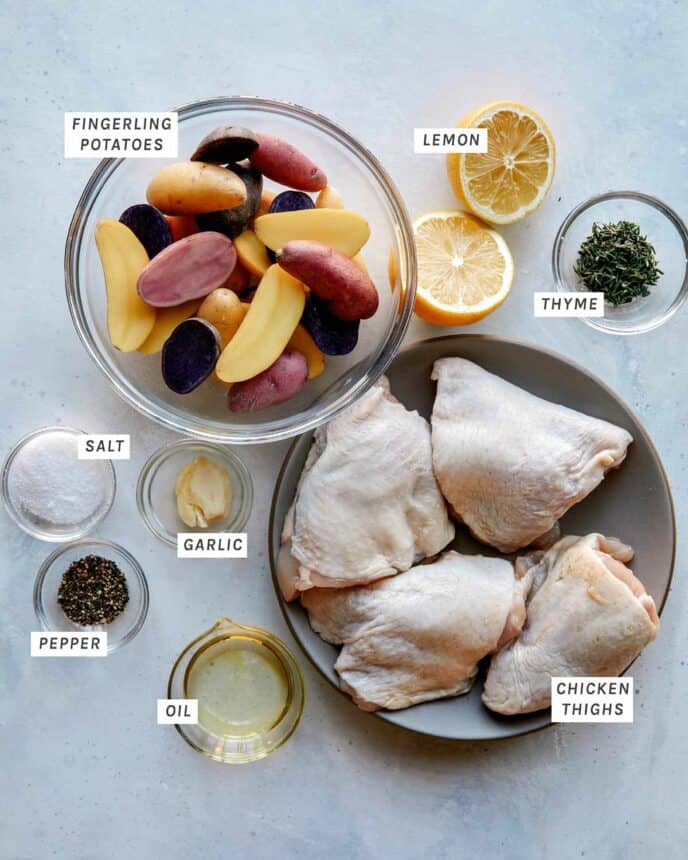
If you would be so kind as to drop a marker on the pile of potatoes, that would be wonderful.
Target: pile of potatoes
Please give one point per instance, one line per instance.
(220, 276)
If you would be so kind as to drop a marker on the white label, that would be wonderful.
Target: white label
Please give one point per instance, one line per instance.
(120, 134)
(177, 712)
(449, 140)
(68, 643)
(571, 304)
(215, 545)
(105, 446)
(592, 700)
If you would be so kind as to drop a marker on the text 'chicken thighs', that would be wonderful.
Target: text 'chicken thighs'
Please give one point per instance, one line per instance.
(420, 635)
(509, 463)
(587, 615)
(367, 505)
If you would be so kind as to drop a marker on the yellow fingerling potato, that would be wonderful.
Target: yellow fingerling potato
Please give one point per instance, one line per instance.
(342, 230)
(225, 310)
(266, 198)
(302, 342)
(270, 321)
(394, 277)
(129, 319)
(166, 321)
(329, 198)
(360, 262)
(251, 253)
(192, 188)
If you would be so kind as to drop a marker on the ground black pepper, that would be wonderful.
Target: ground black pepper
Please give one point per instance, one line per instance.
(93, 590)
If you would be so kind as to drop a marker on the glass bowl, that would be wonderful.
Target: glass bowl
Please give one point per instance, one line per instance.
(49, 612)
(365, 187)
(248, 747)
(157, 500)
(664, 230)
(40, 448)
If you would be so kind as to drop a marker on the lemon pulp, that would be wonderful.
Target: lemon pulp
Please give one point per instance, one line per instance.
(465, 269)
(510, 175)
(460, 263)
(512, 178)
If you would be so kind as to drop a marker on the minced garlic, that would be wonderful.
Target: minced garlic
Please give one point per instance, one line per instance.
(204, 492)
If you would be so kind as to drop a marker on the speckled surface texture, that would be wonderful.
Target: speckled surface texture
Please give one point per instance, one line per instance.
(86, 773)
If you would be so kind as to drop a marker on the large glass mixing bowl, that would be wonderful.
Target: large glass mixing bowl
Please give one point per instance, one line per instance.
(389, 255)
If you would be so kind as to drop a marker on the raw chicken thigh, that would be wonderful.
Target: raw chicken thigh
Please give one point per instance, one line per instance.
(587, 615)
(420, 635)
(509, 463)
(367, 505)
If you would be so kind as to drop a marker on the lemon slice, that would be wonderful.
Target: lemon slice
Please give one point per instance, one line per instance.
(465, 269)
(511, 179)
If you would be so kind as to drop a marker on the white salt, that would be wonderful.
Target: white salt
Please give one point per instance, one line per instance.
(51, 486)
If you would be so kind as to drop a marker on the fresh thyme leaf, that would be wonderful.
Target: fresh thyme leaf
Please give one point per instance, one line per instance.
(618, 261)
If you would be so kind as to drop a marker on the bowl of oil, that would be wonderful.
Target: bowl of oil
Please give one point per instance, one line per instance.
(249, 690)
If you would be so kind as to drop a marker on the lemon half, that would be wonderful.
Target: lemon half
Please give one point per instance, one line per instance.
(465, 269)
(511, 179)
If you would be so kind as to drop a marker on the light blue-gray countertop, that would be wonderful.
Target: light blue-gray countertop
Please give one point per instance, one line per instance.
(86, 773)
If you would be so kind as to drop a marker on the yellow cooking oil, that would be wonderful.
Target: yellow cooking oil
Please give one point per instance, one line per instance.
(241, 686)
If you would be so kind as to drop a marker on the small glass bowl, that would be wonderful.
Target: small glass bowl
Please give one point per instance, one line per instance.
(664, 230)
(49, 612)
(157, 500)
(31, 522)
(234, 750)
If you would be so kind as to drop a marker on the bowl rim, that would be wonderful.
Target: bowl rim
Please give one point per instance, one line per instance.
(14, 513)
(283, 428)
(97, 543)
(272, 558)
(223, 452)
(639, 196)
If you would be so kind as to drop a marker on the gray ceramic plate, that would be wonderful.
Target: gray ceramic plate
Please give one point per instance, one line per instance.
(633, 503)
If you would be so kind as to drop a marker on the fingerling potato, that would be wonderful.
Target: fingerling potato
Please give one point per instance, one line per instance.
(284, 163)
(188, 269)
(331, 276)
(226, 144)
(223, 309)
(279, 382)
(193, 187)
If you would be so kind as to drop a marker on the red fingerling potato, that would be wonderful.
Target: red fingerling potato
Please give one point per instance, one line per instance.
(188, 269)
(331, 276)
(239, 281)
(281, 381)
(284, 163)
(182, 226)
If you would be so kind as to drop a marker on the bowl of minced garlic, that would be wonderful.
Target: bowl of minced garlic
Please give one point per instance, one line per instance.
(193, 486)
(204, 492)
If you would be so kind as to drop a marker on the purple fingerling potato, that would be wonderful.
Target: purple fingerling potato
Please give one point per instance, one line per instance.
(188, 269)
(232, 222)
(149, 226)
(291, 201)
(331, 335)
(226, 144)
(288, 201)
(279, 382)
(189, 355)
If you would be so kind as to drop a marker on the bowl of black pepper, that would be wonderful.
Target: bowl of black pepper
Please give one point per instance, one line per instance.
(92, 585)
(632, 248)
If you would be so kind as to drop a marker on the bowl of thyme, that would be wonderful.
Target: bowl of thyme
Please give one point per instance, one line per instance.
(632, 248)
(92, 584)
